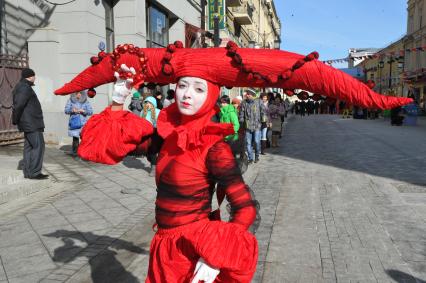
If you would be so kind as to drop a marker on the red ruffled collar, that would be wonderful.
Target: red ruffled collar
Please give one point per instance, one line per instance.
(189, 134)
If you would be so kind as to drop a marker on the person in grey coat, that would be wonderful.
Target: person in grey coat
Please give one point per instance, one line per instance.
(28, 116)
(250, 118)
(77, 105)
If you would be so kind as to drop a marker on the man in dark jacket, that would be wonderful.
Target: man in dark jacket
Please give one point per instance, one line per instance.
(28, 116)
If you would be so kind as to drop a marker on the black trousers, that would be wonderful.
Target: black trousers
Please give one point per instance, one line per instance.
(33, 153)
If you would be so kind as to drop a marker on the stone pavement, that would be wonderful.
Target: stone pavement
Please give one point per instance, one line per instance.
(349, 203)
(341, 201)
(87, 223)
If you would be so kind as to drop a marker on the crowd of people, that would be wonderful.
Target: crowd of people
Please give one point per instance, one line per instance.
(257, 121)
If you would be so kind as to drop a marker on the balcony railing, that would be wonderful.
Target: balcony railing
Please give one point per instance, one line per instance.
(243, 14)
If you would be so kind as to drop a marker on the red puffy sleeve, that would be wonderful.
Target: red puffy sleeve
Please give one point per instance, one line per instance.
(110, 135)
(224, 170)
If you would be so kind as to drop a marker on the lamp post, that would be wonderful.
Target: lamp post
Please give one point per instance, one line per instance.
(381, 65)
(390, 73)
(252, 43)
(401, 70)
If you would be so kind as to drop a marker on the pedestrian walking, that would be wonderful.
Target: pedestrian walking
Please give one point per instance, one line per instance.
(27, 114)
(265, 120)
(79, 110)
(276, 110)
(302, 108)
(228, 114)
(135, 104)
(250, 117)
(150, 112)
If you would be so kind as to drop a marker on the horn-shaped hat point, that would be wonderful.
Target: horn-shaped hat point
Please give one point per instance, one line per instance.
(232, 67)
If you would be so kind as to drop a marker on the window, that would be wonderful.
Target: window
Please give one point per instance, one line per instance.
(410, 24)
(158, 26)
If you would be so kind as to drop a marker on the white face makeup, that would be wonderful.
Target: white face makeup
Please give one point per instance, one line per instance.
(191, 93)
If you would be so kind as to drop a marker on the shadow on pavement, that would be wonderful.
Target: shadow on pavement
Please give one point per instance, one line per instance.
(104, 265)
(134, 163)
(371, 147)
(400, 276)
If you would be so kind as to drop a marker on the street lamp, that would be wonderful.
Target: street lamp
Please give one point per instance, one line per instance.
(390, 72)
(381, 65)
(252, 43)
(277, 44)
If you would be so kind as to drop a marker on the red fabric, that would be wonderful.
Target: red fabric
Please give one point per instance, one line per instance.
(268, 67)
(110, 135)
(191, 161)
(186, 182)
(227, 246)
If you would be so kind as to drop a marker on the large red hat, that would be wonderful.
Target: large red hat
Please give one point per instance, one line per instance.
(230, 67)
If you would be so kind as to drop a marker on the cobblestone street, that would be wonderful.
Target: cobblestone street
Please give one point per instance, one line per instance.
(351, 203)
(342, 200)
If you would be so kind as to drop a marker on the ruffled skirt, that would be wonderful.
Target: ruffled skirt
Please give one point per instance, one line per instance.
(226, 246)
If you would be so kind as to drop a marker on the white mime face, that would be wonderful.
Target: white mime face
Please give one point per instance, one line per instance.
(191, 93)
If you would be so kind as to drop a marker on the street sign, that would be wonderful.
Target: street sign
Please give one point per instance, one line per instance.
(220, 13)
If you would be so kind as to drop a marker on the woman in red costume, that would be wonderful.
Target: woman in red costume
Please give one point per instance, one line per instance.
(191, 243)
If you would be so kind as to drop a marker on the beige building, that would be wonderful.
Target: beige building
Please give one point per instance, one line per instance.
(60, 39)
(249, 23)
(415, 62)
(386, 69)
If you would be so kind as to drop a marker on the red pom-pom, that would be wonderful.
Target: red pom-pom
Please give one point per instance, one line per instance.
(167, 57)
(102, 54)
(237, 59)
(312, 56)
(131, 46)
(257, 76)
(91, 92)
(272, 79)
(289, 92)
(125, 47)
(167, 69)
(232, 45)
(299, 63)
(287, 74)
(247, 69)
(171, 48)
(303, 95)
(178, 44)
(94, 60)
(371, 84)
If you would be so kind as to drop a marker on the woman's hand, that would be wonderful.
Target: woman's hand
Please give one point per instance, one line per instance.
(122, 87)
(204, 272)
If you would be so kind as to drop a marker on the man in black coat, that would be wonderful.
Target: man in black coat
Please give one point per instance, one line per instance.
(28, 115)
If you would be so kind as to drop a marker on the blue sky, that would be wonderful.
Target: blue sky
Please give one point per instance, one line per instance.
(331, 27)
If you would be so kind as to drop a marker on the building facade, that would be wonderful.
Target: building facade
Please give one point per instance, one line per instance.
(249, 23)
(415, 61)
(386, 69)
(60, 39)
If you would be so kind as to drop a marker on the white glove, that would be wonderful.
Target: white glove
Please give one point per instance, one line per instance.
(204, 272)
(122, 87)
